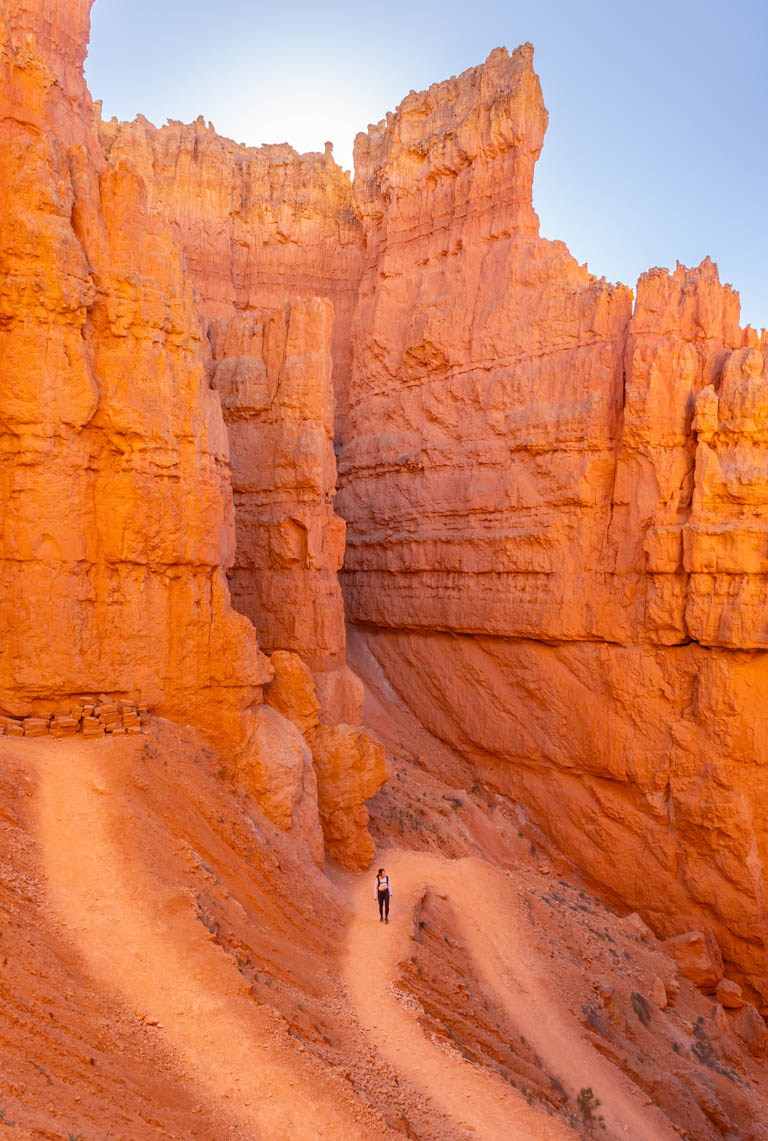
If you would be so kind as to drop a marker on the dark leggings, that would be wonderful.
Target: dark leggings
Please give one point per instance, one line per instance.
(383, 904)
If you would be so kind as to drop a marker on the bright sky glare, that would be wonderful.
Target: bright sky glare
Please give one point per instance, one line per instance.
(656, 144)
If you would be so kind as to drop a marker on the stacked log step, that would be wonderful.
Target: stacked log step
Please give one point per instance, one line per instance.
(102, 717)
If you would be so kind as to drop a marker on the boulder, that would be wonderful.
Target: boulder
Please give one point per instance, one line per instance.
(728, 994)
(751, 1028)
(698, 958)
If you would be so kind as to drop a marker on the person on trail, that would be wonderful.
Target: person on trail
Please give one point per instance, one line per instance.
(383, 893)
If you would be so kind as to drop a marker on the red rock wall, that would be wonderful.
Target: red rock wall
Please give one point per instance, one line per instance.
(684, 340)
(116, 503)
(258, 226)
(555, 494)
(265, 227)
(117, 508)
(470, 455)
(539, 530)
(272, 369)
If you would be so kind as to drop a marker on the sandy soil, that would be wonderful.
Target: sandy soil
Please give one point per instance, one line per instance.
(478, 1101)
(171, 967)
(143, 940)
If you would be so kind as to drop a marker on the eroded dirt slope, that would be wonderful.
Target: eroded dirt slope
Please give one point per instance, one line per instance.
(171, 968)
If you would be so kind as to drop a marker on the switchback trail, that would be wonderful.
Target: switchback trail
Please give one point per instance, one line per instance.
(141, 939)
(479, 1102)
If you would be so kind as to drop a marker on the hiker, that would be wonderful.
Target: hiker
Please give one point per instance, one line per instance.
(383, 893)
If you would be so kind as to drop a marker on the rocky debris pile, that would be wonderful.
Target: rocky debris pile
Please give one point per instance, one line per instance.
(699, 960)
(90, 717)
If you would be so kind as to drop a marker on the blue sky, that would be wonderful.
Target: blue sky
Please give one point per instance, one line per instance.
(658, 112)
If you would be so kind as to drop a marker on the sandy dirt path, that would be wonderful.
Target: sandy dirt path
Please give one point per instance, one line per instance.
(141, 939)
(479, 1103)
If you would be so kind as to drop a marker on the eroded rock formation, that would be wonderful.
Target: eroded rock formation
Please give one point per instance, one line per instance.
(118, 520)
(264, 230)
(554, 501)
(116, 503)
(257, 225)
(350, 762)
(272, 370)
(555, 492)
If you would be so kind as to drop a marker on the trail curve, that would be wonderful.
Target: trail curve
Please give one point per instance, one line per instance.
(478, 1101)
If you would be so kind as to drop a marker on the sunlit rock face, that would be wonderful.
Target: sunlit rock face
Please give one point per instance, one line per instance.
(117, 508)
(554, 490)
(262, 229)
(258, 226)
(116, 501)
(554, 495)
(350, 763)
(476, 473)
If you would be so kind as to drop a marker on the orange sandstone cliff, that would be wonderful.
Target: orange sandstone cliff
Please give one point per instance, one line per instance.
(117, 507)
(555, 504)
(263, 228)
(116, 501)
(257, 225)
(553, 490)
(273, 248)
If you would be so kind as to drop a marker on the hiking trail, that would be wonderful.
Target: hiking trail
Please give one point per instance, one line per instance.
(479, 1102)
(140, 939)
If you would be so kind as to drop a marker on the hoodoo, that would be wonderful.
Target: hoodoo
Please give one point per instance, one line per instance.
(249, 404)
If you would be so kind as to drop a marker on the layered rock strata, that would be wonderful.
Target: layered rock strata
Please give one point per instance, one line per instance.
(266, 234)
(679, 547)
(118, 521)
(272, 370)
(554, 498)
(258, 226)
(92, 718)
(554, 491)
(117, 509)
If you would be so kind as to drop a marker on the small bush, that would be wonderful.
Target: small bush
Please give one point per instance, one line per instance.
(588, 1106)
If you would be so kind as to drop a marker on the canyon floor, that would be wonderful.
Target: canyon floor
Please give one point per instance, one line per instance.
(171, 969)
